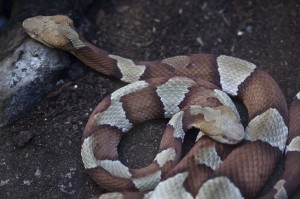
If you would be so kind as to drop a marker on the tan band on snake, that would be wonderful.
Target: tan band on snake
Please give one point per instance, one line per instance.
(189, 89)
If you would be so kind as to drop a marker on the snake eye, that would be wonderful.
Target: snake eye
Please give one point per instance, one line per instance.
(224, 136)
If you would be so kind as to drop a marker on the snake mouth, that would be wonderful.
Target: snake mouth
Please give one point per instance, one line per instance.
(46, 44)
(230, 137)
(231, 140)
(226, 140)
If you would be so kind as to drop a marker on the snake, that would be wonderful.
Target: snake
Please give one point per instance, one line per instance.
(227, 160)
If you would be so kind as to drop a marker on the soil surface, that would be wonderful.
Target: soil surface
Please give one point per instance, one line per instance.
(40, 153)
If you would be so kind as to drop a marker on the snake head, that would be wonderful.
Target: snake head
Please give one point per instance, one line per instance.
(52, 31)
(219, 123)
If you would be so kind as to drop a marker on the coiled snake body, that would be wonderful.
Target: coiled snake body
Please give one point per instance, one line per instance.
(190, 90)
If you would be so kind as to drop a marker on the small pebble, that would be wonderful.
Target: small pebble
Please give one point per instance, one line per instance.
(23, 137)
(239, 33)
(38, 173)
(249, 28)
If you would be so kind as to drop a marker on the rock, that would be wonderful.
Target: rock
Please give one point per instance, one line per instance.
(26, 76)
(23, 137)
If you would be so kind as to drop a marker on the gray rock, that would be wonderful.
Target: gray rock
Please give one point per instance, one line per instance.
(26, 75)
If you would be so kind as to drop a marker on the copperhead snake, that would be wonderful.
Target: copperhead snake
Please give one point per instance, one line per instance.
(189, 89)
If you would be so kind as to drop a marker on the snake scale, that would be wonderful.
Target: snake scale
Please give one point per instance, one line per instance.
(190, 90)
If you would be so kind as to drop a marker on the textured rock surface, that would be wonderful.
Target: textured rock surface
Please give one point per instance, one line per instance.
(26, 75)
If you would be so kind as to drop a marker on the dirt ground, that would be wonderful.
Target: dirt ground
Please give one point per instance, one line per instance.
(40, 153)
